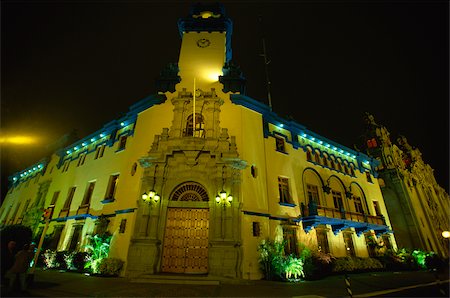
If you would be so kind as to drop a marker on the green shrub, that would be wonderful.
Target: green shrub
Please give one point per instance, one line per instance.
(68, 257)
(80, 260)
(50, 261)
(292, 268)
(275, 265)
(60, 259)
(317, 264)
(110, 266)
(98, 248)
(355, 264)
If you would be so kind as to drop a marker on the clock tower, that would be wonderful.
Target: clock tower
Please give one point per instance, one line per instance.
(205, 48)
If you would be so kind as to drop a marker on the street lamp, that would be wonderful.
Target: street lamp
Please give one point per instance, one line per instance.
(151, 198)
(223, 199)
(446, 234)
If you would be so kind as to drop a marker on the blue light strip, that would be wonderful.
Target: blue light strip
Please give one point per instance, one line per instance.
(299, 130)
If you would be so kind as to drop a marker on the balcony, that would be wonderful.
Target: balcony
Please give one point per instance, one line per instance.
(339, 219)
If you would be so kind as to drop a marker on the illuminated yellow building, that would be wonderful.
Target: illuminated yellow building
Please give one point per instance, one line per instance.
(193, 178)
(420, 205)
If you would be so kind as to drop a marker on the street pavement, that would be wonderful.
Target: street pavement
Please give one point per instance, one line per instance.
(51, 283)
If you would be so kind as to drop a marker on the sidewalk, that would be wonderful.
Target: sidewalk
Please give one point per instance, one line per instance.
(67, 284)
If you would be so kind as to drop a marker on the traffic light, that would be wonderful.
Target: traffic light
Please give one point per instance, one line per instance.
(47, 213)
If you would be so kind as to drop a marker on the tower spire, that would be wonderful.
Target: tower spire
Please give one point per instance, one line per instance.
(266, 61)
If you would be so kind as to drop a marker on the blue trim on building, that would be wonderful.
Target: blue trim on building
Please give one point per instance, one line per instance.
(130, 210)
(256, 213)
(76, 217)
(105, 201)
(338, 224)
(298, 130)
(287, 204)
(279, 218)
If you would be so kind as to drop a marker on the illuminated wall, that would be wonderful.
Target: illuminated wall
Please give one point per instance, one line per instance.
(271, 166)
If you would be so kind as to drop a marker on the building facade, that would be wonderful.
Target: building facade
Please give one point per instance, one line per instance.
(410, 191)
(193, 178)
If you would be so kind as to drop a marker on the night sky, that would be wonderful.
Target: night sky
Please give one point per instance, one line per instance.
(78, 65)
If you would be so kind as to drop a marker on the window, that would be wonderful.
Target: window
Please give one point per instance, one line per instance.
(122, 143)
(76, 236)
(88, 194)
(317, 157)
(352, 170)
(387, 241)
(199, 130)
(313, 193)
(346, 169)
(55, 238)
(283, 188)
(322, 241)
(279, 143)
(369, 178)
(348, 241)
(358, 205)
(81, 159)
(337, 200)
(339, 166)
(69, 197)
(54, 198)
(256, 229)
(331, 163)
(325, 160)
(290, 236)
(308, 155)
(371, 243)
(15, 213)
(376, 206)
(99, 152)
(24, 210)
(123, 224)
(66, 166)
(112, 185)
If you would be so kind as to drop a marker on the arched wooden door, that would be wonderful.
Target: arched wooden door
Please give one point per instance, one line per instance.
(185, 246)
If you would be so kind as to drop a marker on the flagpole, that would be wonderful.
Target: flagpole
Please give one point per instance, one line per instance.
(193, 114)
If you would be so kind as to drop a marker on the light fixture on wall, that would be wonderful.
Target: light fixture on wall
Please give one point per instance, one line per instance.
(152, 197)
(223, 198)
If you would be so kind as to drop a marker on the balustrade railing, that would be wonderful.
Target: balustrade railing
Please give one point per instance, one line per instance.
(313, 209)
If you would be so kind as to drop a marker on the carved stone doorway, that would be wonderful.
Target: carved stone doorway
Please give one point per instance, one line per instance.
(186, 237)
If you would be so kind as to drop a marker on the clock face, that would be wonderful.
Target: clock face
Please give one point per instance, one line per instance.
(203, 42)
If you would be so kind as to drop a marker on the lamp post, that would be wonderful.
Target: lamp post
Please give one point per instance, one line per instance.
(152, 199)
(223, 199)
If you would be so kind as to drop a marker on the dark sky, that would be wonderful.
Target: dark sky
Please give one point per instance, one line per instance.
(78, 65)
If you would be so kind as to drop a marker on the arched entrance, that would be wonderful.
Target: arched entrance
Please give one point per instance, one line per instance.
(185, 247)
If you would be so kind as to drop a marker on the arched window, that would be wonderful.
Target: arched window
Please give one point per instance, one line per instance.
(190, 191)
(317, 157)
(339, 166)
(325, 160)
(331, 163)
(352, 171)
(199, 130)
(346, 168)
(308, 155)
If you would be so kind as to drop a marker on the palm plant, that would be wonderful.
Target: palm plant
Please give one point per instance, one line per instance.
(99, 248)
